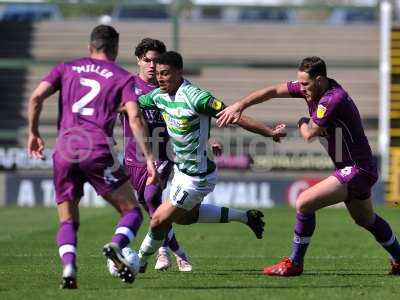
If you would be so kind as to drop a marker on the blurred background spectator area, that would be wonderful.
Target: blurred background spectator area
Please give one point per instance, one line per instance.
(229, 47)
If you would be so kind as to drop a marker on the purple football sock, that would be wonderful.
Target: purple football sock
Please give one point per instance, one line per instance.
(67, 242)
(384, 235)
(303, 231)
(152, 197)
(127, 227)
(171, 241)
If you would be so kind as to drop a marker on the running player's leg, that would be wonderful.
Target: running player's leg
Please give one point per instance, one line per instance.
(360, 207)
(209, 213)
(110, 181)
(186, 194)
(68, 183)
(160, 223)
(153, 199)
(325, 193)
(149, 197)
(363, 214)
(131, 218)
(185, 188)
(68, 213)
(171, 242)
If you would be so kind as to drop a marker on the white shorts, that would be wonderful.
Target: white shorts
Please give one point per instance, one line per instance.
(188, 191)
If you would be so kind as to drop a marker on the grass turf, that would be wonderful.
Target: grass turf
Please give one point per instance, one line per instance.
(343, 261)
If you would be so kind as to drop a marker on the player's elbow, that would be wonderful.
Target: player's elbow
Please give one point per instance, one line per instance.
(135, 122)
(36, 99)
(122, 109)
(307, 138)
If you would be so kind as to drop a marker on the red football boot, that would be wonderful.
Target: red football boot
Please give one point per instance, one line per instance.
(284, 268)
(395, 268)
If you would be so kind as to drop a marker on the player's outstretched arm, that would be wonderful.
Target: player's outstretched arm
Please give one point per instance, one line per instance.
(308, 129)
(35, 144)
(252, 125)
(141, 132)
(232, 113)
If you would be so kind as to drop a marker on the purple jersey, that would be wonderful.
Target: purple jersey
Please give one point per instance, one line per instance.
(91, 92)
(157, 130)
(347, 144)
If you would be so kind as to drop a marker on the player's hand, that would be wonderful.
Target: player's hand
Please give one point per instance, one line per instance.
(278, 132)
(230, 115)
(152, 177)
(303, 120)
(35, 147)
(217, 148)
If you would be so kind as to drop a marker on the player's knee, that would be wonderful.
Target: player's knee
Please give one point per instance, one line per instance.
(364, 221)
(189, 217)
(157, 222)
(124, 207)
(76, 225)
(304, 204)
(154, 198)
(126, 203)
(186, 220)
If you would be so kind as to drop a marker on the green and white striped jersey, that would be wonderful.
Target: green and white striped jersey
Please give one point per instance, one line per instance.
(188, 116)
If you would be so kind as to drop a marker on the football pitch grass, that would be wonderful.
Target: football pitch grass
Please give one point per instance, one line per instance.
(344, 261)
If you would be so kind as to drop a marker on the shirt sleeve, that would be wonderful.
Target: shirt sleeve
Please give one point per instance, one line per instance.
(326, 110)
(205, 103)
(294, 89)
(55, 76)
(128, 92)
(147, 101)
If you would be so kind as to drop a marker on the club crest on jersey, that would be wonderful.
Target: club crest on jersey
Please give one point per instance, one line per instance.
(216, 104)
(138, 91)
(321, 111)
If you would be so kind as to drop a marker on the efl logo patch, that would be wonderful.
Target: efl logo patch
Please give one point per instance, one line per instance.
(346, 171)
(321, 111)
(216, 104)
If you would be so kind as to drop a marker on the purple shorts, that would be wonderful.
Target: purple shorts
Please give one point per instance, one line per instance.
(95, 166)
(138, 176)
(359, 180)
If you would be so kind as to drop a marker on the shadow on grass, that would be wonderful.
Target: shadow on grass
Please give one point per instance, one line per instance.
(336, 272)
(344, 274)
(264, 286)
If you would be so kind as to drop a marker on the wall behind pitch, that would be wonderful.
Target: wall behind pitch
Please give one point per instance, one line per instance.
(30, 191)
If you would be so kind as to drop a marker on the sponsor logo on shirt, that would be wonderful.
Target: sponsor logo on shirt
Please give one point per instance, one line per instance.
(180, 124)
(321, 111)
(153, 116)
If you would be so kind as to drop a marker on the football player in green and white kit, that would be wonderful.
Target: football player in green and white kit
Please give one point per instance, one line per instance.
(187, 111)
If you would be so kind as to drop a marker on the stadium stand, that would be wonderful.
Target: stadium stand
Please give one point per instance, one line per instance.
(351, 51)
(221, 42)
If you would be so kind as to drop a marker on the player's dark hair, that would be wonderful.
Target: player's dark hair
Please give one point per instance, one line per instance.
(314, 66)
(172, 59)
(104, 38)
(148, 44)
